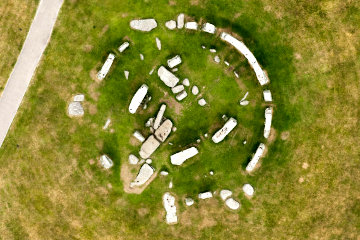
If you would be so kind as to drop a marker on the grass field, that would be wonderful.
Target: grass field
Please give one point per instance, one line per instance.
(15, 18)
(307, 186)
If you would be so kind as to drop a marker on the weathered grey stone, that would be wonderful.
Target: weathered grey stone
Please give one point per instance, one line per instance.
(232, 204)
(170, 208)
(148, 161)
(158, 43)
(248, 190)
(181, 95)
(164, 173)
(186, 82)
(107, 123)
(224, 194)
(159, 116)
(195, 90)
(79, 98)
(189, 201)
(75, 109)
(133, 160)
(177, 89)
(180, 21)
(171, 24)
(164, 130)
(106, 162)
(148, 147)
(145, 25)
(167, 77)
(202, 102)
(205, 195)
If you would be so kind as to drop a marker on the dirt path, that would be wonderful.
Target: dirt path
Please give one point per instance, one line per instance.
(30, 55)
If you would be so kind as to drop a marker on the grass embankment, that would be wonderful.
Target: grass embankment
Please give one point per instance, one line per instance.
(307, 184)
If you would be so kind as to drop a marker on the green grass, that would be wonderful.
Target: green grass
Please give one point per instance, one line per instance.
(310, 50)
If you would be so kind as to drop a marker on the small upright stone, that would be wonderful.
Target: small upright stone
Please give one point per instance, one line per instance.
(217, 59)
(181, 95)
(170, 24)
(195, 90)
(248, 190)
(141, 57)
(106, 162)
(224, 194)
(232, 204)
(212, 50)
(133, 160)
(189, 201)
(180, 21)
(177, 89)
(186, 82)
(202, 102)
(164, 173)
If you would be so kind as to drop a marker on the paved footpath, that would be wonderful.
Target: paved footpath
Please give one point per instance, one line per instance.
(35, 43)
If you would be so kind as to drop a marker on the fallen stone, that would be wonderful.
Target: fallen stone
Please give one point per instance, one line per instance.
(144, 25)
(79, 98)
(180, 21)
(191, 25)
(212, 50)
(224, 194)
(206, 135)
(244, 102)
(171, 24)
(174, 69)
(227, 63)
(248, 190)
(149, 147)
(174, 129)
(171, 185)
(181, 95)
(267, 96)
(186, 82)
(158, 43)
(106, 67)
(259, 152)
(151, 71)
(138, 98)
(202, 102)
(189, 201)
(141, 57)
(225, 130)
(211, 173)
(205, 195)
(236, 74)
(173, 62)
(170, 208)
(139, 136)
(164, 130)
(123, 46)
(167, 77)
(159, 116)
(177, 89)
(133, 160)
(126, 73)
(75, 109)
(106, 162)
(107, 123)
(217, 59)
(203, 47)
(268, 119)
(180, 157)
(195, 90)
(232, 204)
(145, 173)
(198, 140)
(148, 161)
(209, 28)
(164, 173)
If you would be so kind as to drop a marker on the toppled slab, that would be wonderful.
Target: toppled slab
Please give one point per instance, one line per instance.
(126, 73)
(259, 152)
(209, 28)
(123, 46)
(144, 25)
(267, 96)
(145, 173)
(205, 195)
(159, 116)
(173, 62)
(248, 190)
(191, 25)
(170, 208)
(158, 43)
(232, 204)
(180, 21)
(167, 77)
(240, 46)
(180, 157)
(268, 119)
(164, 130)
(224, 131)
(138, 98)
(75, 109)
(177, 89)
(149, 147)
(106, 162)
(106, 67)
(171, 24)
(181, 95)
(224, 194)
(139, 136)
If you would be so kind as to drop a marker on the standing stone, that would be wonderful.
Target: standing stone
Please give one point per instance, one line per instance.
(189, 201)
(170, 24)
(202, 102)
(177, 89)
(186, 82)
(217, 59)
(195, 90)
(180, 21)
(141, 57)
(126, 73)
(248, 190)
(106, 162)
(181, 95)
(232, 204)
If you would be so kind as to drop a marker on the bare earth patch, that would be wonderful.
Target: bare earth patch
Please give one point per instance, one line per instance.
(285, 135)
